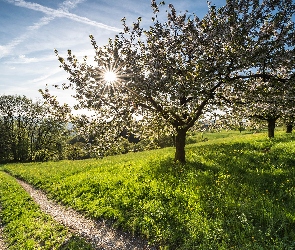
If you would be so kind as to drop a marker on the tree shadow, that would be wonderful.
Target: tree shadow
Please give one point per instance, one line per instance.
(245, 191)
(75, 243)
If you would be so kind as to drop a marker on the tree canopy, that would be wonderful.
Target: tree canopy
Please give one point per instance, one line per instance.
(178, 68)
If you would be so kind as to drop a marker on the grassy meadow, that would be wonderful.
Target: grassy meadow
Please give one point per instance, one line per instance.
(235, 192)
(26, 227)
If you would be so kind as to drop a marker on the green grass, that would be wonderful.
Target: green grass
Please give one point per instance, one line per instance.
(213, 135)
(233, 193)
(26, 227)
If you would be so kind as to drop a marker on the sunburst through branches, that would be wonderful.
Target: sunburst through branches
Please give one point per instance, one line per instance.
(111, 77)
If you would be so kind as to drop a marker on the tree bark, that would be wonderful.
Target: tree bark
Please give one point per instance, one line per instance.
(271, 127)
(180, 145)
(289, 128)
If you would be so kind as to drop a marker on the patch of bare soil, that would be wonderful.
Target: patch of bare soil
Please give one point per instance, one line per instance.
(98, 233)
(2, 243)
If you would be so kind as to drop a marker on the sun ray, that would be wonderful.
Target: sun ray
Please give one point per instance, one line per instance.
(111, 77)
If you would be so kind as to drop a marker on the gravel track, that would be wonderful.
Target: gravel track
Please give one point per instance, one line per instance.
(2, 243)
(99, 234)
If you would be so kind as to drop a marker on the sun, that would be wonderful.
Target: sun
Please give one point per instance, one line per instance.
(110, 76)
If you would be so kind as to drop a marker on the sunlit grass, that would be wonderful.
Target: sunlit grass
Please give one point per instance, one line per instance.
(26, 227)
(233, 193)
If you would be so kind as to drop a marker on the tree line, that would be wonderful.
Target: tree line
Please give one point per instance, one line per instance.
(44, 130)
(30, 131)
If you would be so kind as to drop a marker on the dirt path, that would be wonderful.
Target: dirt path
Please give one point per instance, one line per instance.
(99, 234)
(2, 243)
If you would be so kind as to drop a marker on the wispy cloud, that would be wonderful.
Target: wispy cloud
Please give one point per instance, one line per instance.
(24, 59)
(51, 14)
(47, 76)
(62, 12)
(6, 49)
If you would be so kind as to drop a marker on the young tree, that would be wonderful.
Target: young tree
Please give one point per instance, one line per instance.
(178, 68)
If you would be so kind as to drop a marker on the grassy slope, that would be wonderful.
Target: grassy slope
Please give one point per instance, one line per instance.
(234, 193)
(25, 226)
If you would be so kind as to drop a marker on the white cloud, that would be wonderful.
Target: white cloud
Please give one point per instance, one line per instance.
(5, 50)
(42, 22)
(41, 78)
(62, 11)
(70, 4)
(24, 59)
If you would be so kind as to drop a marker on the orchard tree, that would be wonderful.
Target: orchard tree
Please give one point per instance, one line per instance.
(265, 90)
(289, 121)
(265, 101)
(178, 68)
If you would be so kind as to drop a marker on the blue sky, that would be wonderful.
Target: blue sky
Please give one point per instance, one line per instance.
(31, 30)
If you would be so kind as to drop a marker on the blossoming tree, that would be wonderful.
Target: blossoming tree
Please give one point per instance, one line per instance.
(178, 68)
(266, 91)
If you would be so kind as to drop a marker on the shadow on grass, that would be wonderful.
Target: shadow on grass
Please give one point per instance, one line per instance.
(237, 195)
(75, 243)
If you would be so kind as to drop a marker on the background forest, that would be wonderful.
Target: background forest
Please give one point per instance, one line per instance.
(40, 131)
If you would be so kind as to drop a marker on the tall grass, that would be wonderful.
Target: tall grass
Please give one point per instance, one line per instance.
(233, 193)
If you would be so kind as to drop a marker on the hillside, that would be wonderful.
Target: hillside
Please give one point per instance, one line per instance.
(233, 193)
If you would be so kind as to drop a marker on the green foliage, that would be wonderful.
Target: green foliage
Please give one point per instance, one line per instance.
(233, 193)
(77, 151)
(25, 226)
(31, 131)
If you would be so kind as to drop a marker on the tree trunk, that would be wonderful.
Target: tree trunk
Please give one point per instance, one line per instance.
(271, 127)
(289, 128)
(180, 145)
